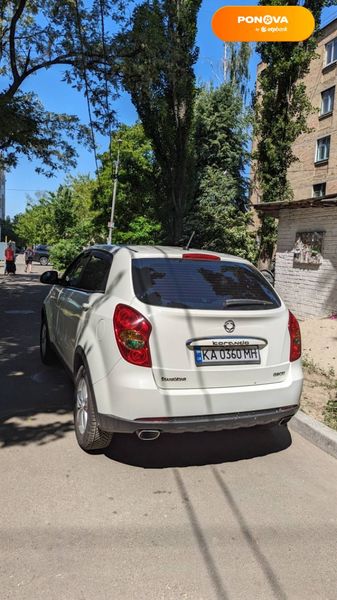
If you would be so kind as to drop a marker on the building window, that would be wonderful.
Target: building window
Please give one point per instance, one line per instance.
(328, 99)
(323, 149)
(331, 52)
(319, 190)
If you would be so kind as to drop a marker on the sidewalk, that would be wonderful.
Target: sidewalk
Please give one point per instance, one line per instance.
(37, 269)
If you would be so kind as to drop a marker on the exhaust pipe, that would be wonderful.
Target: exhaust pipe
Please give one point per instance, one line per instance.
(148, 434)
(284, 421)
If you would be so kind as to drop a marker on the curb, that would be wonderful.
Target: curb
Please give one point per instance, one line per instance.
(317, 433)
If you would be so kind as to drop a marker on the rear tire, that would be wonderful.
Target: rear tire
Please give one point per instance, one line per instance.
(46, 351)
(43, 261)
(88, 434)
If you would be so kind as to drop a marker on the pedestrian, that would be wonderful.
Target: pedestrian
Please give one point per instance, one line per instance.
(28, 259)
(10, 260)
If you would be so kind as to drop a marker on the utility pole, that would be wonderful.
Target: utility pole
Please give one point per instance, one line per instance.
(111, 223)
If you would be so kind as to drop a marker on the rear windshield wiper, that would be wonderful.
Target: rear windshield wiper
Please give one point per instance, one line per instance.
(247, 302)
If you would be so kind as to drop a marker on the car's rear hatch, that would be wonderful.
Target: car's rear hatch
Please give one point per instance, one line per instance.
(215, 323)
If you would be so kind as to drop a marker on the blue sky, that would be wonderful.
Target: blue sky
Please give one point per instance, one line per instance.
(58, 97)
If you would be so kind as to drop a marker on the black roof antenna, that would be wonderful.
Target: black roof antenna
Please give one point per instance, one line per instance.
(189, 241)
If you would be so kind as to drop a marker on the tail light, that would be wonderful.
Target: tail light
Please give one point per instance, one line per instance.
(295, 338)
(132, 331)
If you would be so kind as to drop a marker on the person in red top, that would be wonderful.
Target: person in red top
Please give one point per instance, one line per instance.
(10, 260)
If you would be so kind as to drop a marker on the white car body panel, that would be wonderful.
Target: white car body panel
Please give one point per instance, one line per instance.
(175, 386)
(129, 394)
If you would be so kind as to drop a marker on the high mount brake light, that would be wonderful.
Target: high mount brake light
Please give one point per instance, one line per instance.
(132, 331)
(200, 256)
(295, 338)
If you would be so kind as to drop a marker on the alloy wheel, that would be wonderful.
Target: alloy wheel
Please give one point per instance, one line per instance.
(82, 405)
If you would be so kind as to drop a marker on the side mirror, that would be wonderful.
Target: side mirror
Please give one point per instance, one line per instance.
(50, 277)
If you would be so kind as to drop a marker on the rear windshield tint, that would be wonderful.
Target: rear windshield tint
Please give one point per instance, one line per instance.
(201, 284)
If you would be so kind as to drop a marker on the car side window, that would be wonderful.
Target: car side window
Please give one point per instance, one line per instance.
(95, 274)
(73, 274)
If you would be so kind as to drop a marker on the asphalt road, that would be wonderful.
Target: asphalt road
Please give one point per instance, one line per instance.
(239, 515)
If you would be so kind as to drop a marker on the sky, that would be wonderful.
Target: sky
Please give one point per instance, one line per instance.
(22, 182)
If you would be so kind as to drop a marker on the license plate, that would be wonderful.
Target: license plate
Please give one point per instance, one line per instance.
(227, 356)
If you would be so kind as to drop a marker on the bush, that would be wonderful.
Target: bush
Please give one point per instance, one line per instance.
(63, 252)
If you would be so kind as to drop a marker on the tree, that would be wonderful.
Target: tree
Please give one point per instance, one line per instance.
(218, 223)
(236, 66)
(34, 226)
(282, 110)
(136, 198)
(37, 35)
(7, 230)
(221, 138)
(219, 215)
(62, 219)
(161, 82)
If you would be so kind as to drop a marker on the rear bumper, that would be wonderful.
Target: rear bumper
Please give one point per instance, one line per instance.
(198, 423)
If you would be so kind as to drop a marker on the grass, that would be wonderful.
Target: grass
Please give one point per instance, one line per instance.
(327, 380)
(330, 413)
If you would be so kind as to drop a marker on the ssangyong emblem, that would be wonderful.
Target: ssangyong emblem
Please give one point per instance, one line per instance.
(229, 326)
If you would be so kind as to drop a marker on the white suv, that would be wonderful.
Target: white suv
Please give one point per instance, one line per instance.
(162, 339)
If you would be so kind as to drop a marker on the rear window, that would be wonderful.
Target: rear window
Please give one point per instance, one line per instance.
(201, 284)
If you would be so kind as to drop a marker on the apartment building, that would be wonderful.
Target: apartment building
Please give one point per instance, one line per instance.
(315, 174)
(306, 253)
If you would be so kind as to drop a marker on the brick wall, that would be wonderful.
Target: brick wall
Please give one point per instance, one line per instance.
(308, 292)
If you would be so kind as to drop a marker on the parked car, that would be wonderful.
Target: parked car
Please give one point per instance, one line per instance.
(41, 254)
(162, 339)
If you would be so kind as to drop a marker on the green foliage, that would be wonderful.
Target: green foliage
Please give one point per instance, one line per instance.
(330, 413)
(218, 223)
(141, 231)
(34, 225)
(282, 108)
(7, 229)
(62, 219)
(63, 252)
(268, 237)
(236, 66)
(221, 138)
(36, 35)
(27, 128)
(160, 78)
(219, 215)
(136, 192)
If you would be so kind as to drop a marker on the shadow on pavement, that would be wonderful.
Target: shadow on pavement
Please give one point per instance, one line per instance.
(35, 401)
(196, 449)
(27, 431)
